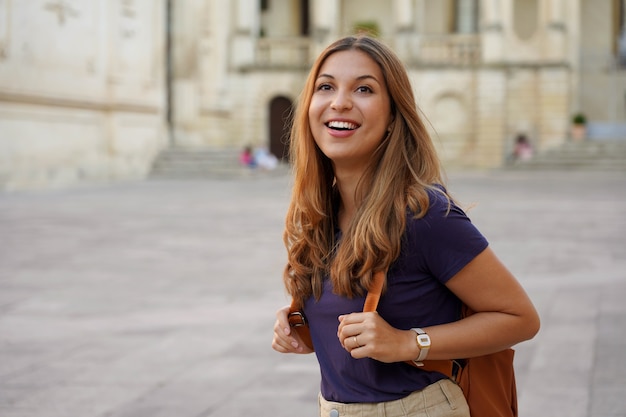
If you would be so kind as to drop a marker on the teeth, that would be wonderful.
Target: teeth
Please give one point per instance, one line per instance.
(342, 125)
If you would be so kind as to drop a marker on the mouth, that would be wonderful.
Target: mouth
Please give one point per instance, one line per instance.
(341, 125)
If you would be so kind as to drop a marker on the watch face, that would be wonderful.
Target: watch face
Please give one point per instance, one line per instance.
(423, 340)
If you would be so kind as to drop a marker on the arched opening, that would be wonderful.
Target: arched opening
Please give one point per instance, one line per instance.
(454, 130)
(280, 125)
(525, 18)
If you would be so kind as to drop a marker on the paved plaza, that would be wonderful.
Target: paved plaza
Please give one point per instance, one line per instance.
(157, 298)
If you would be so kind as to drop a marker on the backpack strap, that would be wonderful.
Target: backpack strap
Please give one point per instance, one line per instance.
(373, 294)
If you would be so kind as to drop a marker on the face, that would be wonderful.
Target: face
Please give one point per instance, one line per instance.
(350, 109)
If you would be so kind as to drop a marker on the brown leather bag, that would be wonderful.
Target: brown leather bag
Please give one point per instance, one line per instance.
(488, 382)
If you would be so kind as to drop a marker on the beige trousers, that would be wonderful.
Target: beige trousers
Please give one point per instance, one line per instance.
(441, 399)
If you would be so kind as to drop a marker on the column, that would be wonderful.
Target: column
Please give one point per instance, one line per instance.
(213, 53)
(492, 32)
(420, 15)
(555, 31)
(403, 13)
(415, 45)
(325, 15)
(246, 31)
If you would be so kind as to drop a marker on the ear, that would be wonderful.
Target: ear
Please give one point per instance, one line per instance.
(390, 125)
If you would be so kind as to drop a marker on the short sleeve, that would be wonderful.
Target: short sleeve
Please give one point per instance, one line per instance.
(445, 240)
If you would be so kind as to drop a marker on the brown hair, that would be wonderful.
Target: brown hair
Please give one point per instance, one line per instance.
(403, 167)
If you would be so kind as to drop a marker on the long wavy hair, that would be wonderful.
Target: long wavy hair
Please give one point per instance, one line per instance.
(402, 169)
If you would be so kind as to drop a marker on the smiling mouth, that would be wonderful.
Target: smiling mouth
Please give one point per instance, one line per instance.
(336, 125)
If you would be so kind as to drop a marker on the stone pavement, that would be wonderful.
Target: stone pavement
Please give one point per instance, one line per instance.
(157, 299)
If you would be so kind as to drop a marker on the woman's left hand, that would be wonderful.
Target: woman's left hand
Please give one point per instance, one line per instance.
(367, 335)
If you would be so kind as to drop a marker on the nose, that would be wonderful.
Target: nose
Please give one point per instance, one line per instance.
(341, 101)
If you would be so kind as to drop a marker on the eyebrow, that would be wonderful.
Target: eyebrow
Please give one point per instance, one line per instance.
(359, 78)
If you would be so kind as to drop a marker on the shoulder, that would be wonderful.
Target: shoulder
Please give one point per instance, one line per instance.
(444, 224)
(444, 238)
(441, 208)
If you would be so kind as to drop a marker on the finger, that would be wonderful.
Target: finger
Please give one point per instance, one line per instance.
(356, 347)
(282, 319)
(278, 346)
(284, 344)
(351, 318)
(280, 343)
(283, 336)
(351, 343)
(346, 332)
(288, 335)
(347, 323)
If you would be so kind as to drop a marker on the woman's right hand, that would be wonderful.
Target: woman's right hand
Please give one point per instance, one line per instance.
(286, 340)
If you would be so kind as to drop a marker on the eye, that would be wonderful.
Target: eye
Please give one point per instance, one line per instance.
(323, 87)
(364, 89)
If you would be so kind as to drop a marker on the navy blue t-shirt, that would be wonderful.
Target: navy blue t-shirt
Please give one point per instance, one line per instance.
(434, 248)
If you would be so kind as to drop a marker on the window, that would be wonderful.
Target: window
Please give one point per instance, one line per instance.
(619, 32)
(466, 20)
(525, 18)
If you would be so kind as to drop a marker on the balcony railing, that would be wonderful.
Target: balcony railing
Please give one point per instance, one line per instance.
(296, 52)
(454, 49)
(287, 52)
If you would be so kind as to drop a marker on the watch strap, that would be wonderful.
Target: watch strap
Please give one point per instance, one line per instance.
(423, 343)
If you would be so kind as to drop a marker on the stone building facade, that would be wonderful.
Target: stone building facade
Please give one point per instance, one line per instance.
(81, 90)
(92, 90)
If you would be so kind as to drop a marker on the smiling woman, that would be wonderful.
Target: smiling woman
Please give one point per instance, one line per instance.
(369, 197)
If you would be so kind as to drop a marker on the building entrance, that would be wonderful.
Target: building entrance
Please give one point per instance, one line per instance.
(280, 125)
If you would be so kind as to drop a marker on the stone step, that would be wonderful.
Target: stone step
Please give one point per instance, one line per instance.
(178, 163)
(601, 155)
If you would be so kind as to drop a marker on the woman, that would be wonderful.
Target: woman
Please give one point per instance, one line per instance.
(368, 196)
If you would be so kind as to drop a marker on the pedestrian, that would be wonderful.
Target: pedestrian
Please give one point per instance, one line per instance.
(246, 157)
(523, 150)
(368, 196)
(265, 159)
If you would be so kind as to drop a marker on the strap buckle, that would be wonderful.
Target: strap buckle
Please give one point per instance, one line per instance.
(457, 367)
(297, 319)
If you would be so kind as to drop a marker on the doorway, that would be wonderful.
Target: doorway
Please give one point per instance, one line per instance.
(280, 126)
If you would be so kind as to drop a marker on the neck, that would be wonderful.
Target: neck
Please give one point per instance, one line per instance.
(347, 182)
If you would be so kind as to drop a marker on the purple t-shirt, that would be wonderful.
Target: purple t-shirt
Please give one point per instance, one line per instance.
(434, 249)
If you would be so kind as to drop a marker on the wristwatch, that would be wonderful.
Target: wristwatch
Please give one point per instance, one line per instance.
(423, 342)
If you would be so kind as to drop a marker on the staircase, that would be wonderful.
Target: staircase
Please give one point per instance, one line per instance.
(589, 154)
(189, 163)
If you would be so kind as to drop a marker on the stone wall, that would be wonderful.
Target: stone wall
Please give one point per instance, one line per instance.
(474, 114)
(81, 91)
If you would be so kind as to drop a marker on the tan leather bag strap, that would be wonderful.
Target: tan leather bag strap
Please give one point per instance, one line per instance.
(373, 295)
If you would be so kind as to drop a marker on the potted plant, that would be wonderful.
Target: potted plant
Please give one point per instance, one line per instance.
(368, 27)
(579, 127)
